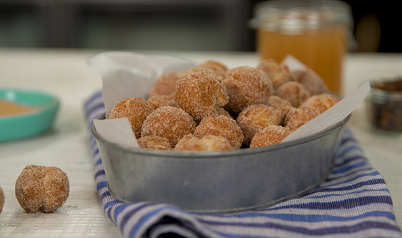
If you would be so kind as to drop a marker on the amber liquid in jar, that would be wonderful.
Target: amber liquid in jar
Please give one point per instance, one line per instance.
(320, 49)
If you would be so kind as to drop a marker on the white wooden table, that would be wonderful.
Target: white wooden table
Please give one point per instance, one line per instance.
(65, 74)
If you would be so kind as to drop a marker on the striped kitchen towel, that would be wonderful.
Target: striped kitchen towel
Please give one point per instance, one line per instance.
(353, 202)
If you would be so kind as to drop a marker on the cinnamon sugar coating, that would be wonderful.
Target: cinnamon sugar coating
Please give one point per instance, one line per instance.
(168, 122)
(322, 102)
(269, 135)
(300, 116)
(135, 109)
(256, 117)
(219, 125)
(294, 92)
(40, 188)
(280, 104)
(207, 143)
(247, 86)
(2, 199)
(310, 80)
(165, 84)
(278, 73)
(154, 142)
(216, 66)
(200, 92)
(162, 100)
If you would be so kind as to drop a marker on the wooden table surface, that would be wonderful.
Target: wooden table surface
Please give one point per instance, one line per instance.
(65, 74)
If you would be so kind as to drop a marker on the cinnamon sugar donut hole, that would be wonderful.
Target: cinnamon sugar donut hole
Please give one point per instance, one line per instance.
(40, 188)
(168, 122)
(247, 86)
(310, 80)
(200, 92)
(294, 92)
(300, 116)
(190, 143)
(165, 84)
(154, 142)
(222, 111)
(216, 143)
(280, 104)
(278, 73)
(219, 125)
(207, 143)
(135, 109)
(322, 102)
(162, 100)
(256, 117)
(2, 199)
(269, 135)
(216, 66)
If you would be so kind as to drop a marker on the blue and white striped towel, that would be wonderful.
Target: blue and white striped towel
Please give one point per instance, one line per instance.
(353, 202)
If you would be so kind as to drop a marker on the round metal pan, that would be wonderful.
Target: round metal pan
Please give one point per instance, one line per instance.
(220, 182)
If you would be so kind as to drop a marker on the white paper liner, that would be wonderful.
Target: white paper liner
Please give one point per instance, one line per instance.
(126, 74)
(116, 130)
(330, 117)
(335, 114)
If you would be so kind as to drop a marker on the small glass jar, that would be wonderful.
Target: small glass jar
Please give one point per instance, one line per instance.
(315, 32)
(385, 105)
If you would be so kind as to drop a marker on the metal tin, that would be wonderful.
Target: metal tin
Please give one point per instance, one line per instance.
(220, 182)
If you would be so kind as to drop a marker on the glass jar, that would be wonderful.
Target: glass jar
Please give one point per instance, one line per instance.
(315, 32)
(385, 105)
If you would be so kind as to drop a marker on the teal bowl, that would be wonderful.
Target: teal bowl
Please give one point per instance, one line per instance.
(18, 126)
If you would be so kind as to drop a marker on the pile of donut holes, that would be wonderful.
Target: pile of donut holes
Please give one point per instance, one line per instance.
(213, 108)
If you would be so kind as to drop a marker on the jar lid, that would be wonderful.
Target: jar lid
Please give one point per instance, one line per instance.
(287, 15)
(386, 89)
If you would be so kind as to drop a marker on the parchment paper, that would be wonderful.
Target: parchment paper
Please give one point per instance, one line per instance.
(117, 130)
(335, 114)
(330, 117)
(127, 74)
